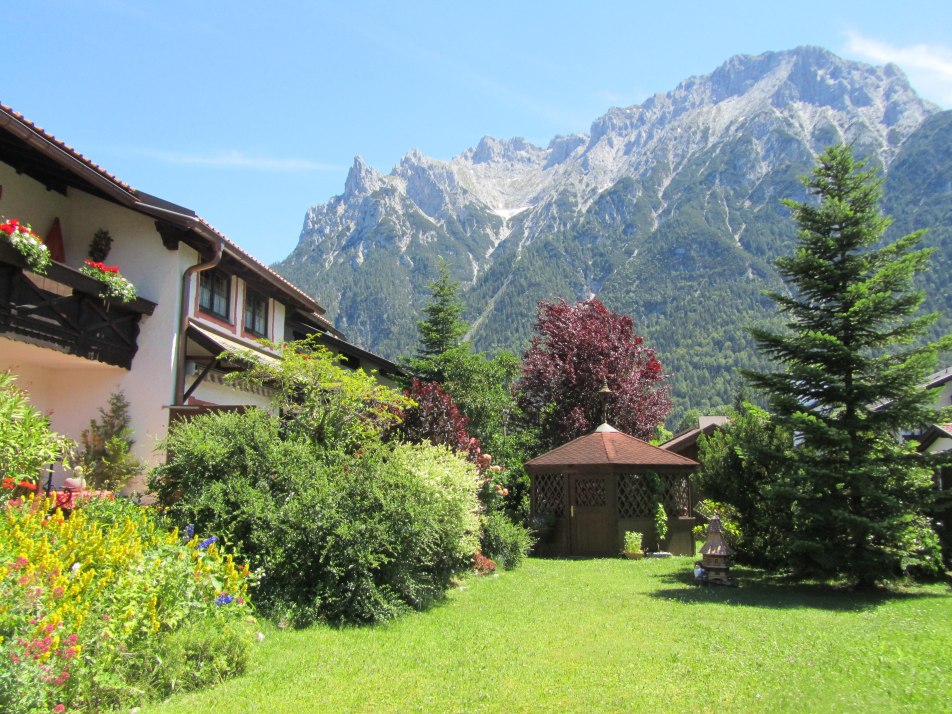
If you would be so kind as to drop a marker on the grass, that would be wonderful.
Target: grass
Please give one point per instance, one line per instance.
(614, 635)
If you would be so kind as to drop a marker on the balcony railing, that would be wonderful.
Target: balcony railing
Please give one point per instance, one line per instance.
(62, 310)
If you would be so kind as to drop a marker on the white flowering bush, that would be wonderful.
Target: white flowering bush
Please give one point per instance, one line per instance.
(27, 243)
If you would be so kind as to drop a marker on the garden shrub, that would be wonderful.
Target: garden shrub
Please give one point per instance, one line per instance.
(106, 456)
(27, 444)
(330, 405)
(199, 654)
(91, 604)
(730, 526)
(503, 541)
(342, 537)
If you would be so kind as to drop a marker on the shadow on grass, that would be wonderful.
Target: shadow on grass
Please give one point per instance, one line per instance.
(757, 589)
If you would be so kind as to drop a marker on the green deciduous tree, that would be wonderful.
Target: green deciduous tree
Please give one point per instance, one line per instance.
(481, 387)
(330, 405)
(848, 379)
(27, 444)
(744, 465)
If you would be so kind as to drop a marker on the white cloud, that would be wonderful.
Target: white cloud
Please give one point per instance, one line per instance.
(929, 67)
(238, 160)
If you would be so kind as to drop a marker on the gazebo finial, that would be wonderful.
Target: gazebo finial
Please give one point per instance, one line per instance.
(605, 393)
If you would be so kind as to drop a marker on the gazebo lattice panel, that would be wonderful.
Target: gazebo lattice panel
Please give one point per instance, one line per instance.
(590, 492)
(550, 494)
(634, 499)
(677, 496)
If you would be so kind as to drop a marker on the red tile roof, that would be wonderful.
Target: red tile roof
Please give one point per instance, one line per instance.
(65, 147)
(607, 446)
(30, 132)
(947, 428)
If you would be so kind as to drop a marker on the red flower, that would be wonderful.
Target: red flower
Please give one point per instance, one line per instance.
(27, 485)
(102, 266)
(9, 482)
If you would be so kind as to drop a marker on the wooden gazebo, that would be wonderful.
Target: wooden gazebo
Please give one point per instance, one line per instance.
(602, 484)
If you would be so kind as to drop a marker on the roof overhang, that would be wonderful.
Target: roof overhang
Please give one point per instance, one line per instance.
(38, 154)
(216, 343)
(933, 434)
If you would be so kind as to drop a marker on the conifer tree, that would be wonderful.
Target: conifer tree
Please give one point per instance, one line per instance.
(848, 382)
(444, 326)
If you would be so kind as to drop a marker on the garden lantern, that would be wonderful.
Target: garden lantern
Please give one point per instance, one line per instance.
(716, 554)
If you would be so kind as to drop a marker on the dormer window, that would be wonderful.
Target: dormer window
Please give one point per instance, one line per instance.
(256, 313)
(214, 294)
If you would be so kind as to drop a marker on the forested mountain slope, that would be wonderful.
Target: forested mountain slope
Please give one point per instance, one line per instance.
(668, 211)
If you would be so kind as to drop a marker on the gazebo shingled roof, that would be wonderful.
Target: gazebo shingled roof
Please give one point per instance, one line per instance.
(608, 446)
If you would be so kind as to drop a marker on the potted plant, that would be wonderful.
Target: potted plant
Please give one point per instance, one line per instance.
(114, 285)
(632, 549)
(27, 243)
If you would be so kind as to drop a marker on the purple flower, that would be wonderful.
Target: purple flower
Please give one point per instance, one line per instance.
(224, 599)
(190, 531)
(207, 542)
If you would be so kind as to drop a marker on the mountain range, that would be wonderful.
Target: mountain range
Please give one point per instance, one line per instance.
(669, 211)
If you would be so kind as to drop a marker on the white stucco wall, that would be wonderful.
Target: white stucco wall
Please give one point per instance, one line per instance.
(72, 388)
(29, 201)
(945, 396)
(223, 395)
(939, 445)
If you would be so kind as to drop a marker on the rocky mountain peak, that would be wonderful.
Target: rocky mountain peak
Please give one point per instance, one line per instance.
(414, 157)
(491, 150)
(663, 204)
(362, 180)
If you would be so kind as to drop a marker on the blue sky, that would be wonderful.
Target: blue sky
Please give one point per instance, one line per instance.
(249, 113)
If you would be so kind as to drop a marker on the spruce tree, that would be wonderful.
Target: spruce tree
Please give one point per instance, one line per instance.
(444, 326)
(848, 383)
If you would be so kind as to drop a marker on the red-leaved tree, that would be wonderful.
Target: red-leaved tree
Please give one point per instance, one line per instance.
(435, 418)
(577, 349)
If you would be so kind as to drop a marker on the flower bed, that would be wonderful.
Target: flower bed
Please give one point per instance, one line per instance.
(106, 608)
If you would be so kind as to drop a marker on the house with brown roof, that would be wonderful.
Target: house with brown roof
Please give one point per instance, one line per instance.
(686, 443)
(598, 486)
(198, 294)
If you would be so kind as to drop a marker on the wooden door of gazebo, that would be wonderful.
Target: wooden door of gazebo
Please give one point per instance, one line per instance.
(591, 513)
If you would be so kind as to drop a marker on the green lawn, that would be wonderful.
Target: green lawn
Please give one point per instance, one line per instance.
(614, 635)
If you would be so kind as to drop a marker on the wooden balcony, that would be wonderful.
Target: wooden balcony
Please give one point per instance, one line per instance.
(62, 310)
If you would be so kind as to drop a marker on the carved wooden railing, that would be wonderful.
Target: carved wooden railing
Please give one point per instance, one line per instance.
(63, 310)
